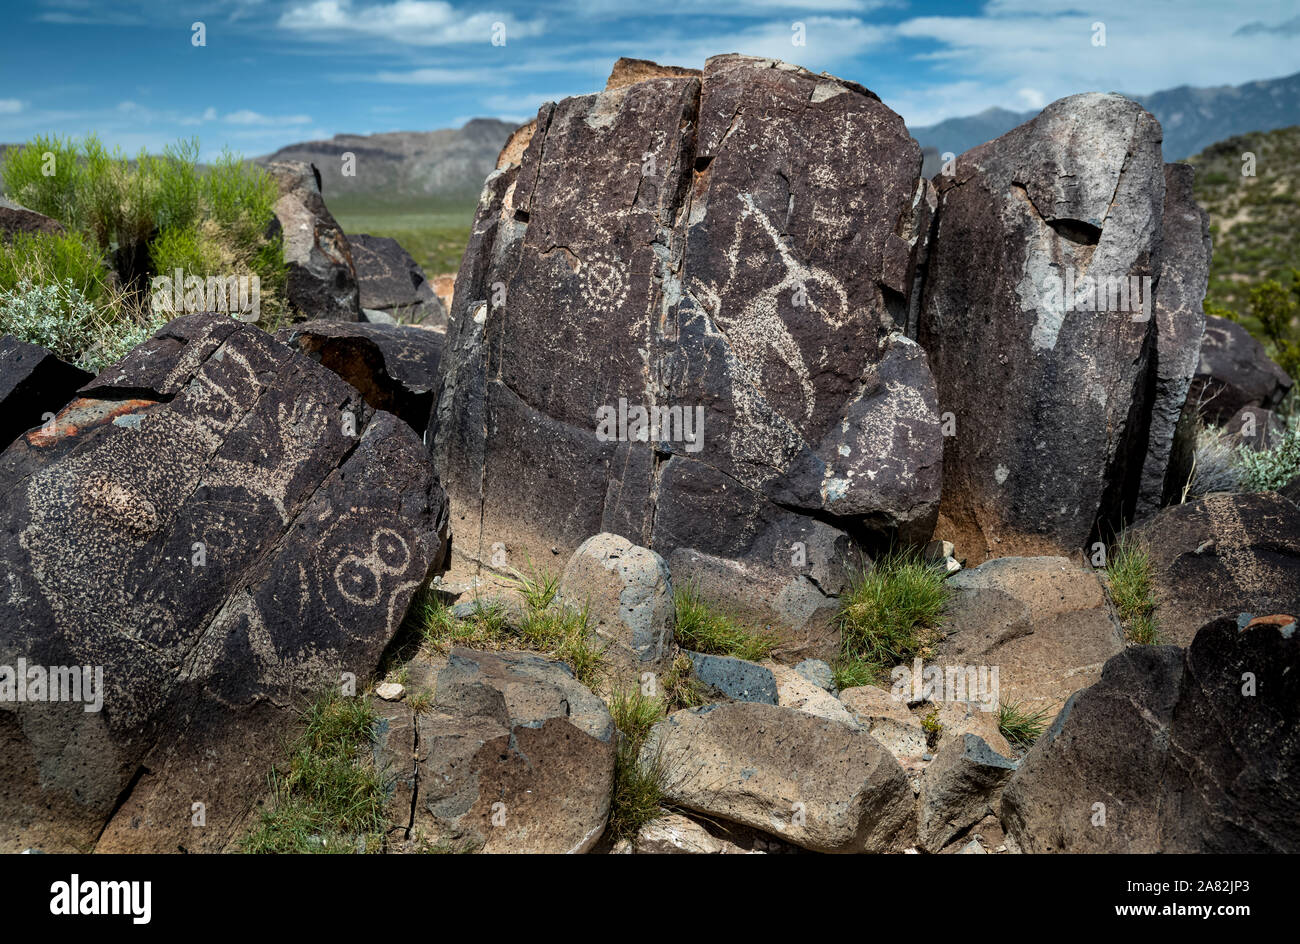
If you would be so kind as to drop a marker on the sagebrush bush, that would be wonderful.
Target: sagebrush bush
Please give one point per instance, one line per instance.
(128, 221)
(1271, 469)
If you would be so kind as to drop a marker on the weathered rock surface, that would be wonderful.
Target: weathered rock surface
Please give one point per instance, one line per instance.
(794, 690)
(1044, 622)
(322, 278)
(673, 834)
(34, 385)
(1234, 372)
(959, 789)
(1254, 427)
(198, 525)
(628, 595)
(390, 281)
(1222, 555)
(1174, 750)
(18, 219)
(736, 247)
(818, 783)
(896, 723)
(1047, 402)
(1179, 324)
(394, 366)
(514, 756)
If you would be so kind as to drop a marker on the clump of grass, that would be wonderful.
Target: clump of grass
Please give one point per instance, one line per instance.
(635, 713)
(330, 798)
(890, 614)
(555, 628)
(638, 783)
(1019, 725)
(539, 588)
(703, 627)
(1129, 574)
(679, 687)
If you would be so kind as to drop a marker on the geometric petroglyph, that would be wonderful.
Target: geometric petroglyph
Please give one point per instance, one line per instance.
(604, 283)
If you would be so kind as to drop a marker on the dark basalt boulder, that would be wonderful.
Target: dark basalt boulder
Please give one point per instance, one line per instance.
(34, 385)
(1222, 555)
(394, 366)
(1044, 374)
(220, 526)
(1179, 324)
(735, 247)
(18, 219)
(1174, 750)
(392, 282)
(1234, 372)
(322, 278)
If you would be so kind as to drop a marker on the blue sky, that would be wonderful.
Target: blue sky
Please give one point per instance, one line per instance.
(272, 73)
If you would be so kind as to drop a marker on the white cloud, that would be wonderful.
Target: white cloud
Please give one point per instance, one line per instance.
(430, 76)
(1032, 98)
(10, 106)
(410, 22)
(246, 117)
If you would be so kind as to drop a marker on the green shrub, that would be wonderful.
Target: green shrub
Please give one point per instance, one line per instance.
(890, 615)
(703, 627)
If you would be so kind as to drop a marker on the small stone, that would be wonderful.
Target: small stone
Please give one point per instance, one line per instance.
(819, 673)
(390, 691)
(938, 550)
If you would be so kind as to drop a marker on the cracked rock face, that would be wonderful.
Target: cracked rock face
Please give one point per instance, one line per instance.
(1048, 402)
(221, 526)
(1185, 750)
(515, 756)
(735, 247)
(322, 279)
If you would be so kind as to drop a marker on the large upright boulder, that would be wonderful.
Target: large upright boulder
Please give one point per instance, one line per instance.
(1173, 750)
(220, 527)
(735, 248)
(322, 278)
(1180, 323)
(1043, 372)
(1234, 371)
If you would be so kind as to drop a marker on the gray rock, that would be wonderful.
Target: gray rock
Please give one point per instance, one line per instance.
(811, 781)
(392, 282)
(18, 219)
(322, 279)
(628, 595)
(735, 678)
(1034, 465)
(819, 673)
(959, 789)
(514, 756)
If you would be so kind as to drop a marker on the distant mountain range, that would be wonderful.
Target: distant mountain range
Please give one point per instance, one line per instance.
(1193, 118)
(449, 163)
